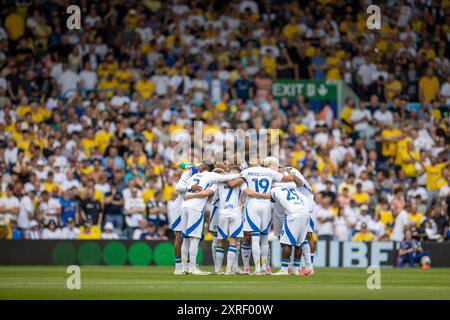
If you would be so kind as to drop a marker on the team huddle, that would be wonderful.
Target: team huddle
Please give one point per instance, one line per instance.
(246, 201)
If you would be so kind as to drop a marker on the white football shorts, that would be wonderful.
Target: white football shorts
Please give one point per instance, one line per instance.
(192, 223)
(257, 216)
(294, 230)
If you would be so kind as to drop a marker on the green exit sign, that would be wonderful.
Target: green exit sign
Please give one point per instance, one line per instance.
(313, 90)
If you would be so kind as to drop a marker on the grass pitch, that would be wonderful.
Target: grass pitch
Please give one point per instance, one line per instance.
(106, 282)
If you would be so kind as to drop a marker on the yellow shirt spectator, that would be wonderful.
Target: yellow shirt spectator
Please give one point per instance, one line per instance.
(297, 156)
(386, 217)
(402, 150)
(102, 139)
(92, 234)
(87, 145)
(269, 64)
(109, 84)
(408, 163)
(145, 88)
(363, 237)
(434, 179)
(416, 218)
(148, 194)
(15, 26)
(49, 186)
(333, 72)
(361, 197)
(346, 116)
(389, 148)
(167, 191)
(392, 88)
(290, 30)
(429, 88)
(21, 111)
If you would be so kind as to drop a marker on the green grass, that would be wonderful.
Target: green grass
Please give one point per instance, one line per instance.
(103, 282)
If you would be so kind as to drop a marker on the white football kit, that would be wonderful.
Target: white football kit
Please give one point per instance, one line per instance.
(278, 215)
(230, 213)
(258, 211)
(214, 216)
(296, 209)
(192, 218)
(181, 188)
(307, 191)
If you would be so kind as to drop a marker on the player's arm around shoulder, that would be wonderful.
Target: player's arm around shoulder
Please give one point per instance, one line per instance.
(201, 194)
(254, 194)
(236, 182)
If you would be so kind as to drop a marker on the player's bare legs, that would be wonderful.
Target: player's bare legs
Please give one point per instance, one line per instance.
(285, 258)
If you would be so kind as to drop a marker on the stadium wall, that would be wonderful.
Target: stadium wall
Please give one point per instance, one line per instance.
(130, 252)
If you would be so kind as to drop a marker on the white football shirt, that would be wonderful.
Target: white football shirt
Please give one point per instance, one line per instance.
(292, 201)
(259, 179)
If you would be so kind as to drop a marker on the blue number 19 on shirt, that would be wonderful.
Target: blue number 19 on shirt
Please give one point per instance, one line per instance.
(263, 184)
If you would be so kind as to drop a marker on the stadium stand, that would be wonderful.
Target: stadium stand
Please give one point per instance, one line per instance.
(86, 116)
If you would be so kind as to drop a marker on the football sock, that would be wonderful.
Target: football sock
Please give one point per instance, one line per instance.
(231, 256)
(236, 260)
(296, 265)
(256, 252)
(193, 250)
(213, 247)
(291, 260)
(306, 252)
(246, 252)
(285, 264)
(219, 258)
(178, 264)
(185, 253)
(265, 251)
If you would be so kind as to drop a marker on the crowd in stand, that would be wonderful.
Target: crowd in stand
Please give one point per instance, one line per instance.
(87, 116)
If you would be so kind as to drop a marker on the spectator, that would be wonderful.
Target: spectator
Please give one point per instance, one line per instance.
(364, 234)
(342, 231)
(9, 205)
(68, 207)
(90, 208)
(16, 234)
(429, 86)
(35, 232)
(114, 208)
(70, 231)
(89, 232)
(134, 210)
(51, 232)
(325, 220)
(49, 209)
(400, 225)
(141, 229)
(108, 232)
